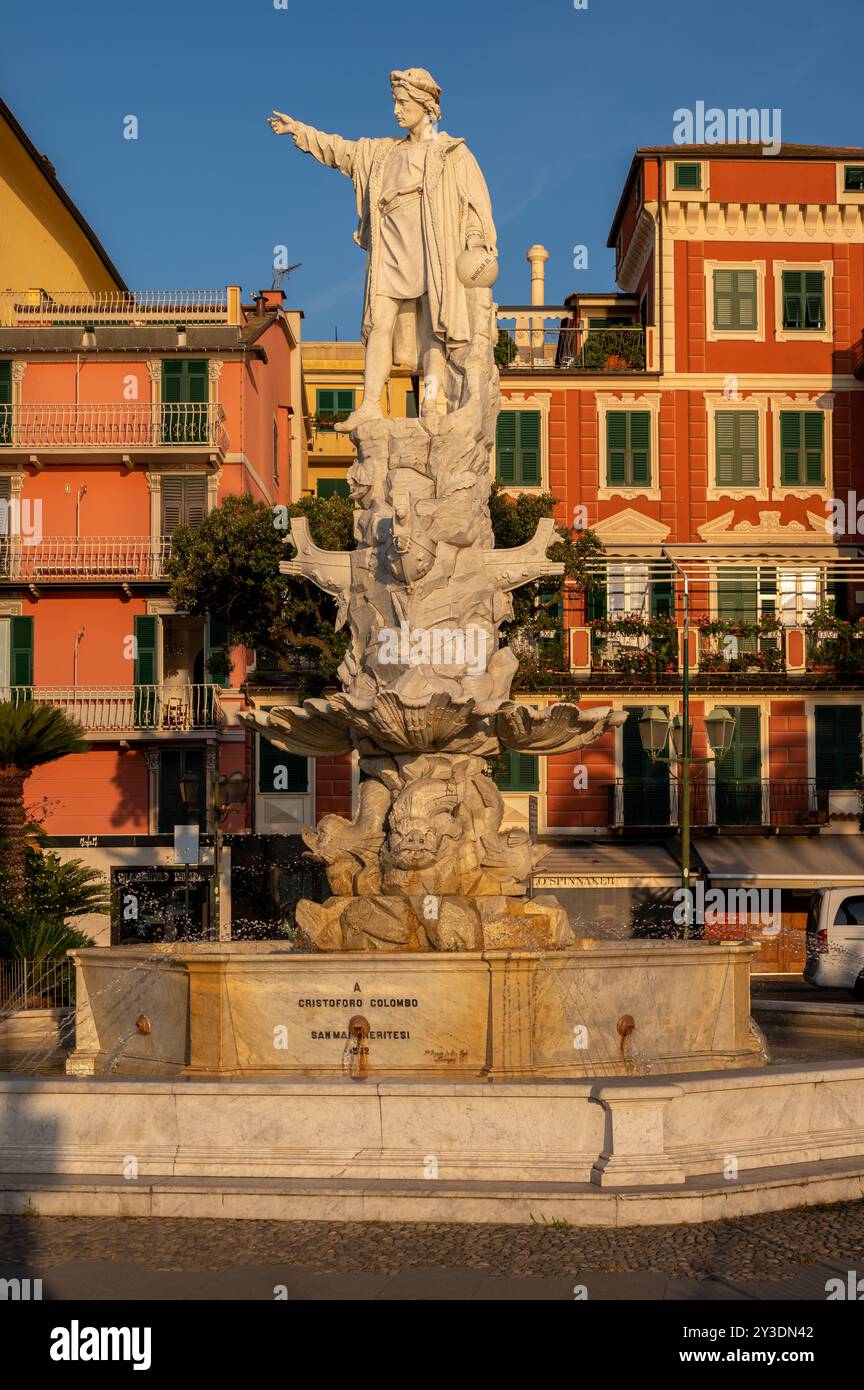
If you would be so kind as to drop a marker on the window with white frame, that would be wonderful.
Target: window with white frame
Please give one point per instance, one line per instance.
(799, 594)
(627, 590)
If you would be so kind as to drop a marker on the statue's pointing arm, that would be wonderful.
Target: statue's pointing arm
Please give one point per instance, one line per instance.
(331, 150)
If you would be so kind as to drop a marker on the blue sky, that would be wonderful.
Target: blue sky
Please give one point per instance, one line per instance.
(552, 101)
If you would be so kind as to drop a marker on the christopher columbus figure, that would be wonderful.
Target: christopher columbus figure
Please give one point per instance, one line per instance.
(425, 222)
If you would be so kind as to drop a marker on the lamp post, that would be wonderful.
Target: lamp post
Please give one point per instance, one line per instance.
(656, 731)
(229, 793)
(190, 790)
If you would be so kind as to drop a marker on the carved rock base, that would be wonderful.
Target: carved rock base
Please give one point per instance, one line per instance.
(379, 923)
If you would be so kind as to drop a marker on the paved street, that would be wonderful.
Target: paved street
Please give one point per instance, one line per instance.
(787, 1255)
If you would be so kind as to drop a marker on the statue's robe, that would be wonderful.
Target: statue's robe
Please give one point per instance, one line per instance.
(454, 204)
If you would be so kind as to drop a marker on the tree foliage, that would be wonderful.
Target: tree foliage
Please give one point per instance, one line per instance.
(229, 567)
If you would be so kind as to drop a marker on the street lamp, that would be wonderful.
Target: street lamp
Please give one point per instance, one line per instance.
(656, 730)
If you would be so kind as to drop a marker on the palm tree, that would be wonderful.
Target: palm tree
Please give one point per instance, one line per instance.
(30, 735)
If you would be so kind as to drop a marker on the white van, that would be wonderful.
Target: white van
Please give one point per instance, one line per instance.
(835, 939)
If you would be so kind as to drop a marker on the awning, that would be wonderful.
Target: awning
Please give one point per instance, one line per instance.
(800, 863)
(607, 866)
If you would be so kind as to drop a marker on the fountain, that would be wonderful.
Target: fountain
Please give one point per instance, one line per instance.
(436, 1044)
(430, 936)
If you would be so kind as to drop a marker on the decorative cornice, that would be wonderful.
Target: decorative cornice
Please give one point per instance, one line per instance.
(762, 221)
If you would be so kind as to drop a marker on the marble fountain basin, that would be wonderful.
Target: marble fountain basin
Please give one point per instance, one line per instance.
(246, 1009)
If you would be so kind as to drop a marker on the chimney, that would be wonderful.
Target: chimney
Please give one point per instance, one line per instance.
(538, 256)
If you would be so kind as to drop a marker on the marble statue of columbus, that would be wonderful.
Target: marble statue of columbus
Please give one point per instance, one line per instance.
(422, 202)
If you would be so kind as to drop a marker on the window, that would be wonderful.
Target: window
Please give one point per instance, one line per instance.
(174, 764)
(333, 406)
(275, 450)
(518, 772)
(802, 447)
(16, 655)
(333, 487)
(735, 294)
(853, 178)
(850, 913)
(5, 403)
(804, 299)
(279, 771)
(410, 404)
(800, 594)
(688, 176)
(738, 787)
(737, 448)
(184, 501)
(645, 792)
(838, 747)
(517, 448)
(628, 448)
(185, 398)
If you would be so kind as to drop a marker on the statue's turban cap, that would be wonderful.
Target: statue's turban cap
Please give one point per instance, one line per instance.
(421, 85)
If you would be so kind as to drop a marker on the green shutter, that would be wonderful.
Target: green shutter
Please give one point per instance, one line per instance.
(853, 178)
(814, 299)
(662, 599)
(528, 464)
(688, 176)
(146, 635)
(737, 595)
(737, 448)
(640, 446)
(793, 299)
(803, 299)
(21, 653)
(595, 601)
(802, 447)
(628, 448)
(330, 403)
(294, 778)
(146, 670)
(184, 383)
(217, 641)
(735, 300)
(5, 403)
(616, 448)
(505, 447)
(333, 487)
(743, 762)
(519, 772)
(838, 745)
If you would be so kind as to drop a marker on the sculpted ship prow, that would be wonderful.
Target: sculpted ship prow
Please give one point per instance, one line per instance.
(424, 863)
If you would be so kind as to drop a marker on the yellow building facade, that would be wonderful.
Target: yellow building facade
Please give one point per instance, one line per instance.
(333, 373)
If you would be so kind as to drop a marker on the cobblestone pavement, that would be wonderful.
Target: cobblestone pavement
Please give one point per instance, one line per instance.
(775, 1246)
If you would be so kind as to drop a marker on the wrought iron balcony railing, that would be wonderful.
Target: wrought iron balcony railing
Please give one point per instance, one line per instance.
(736, 802)
(36, 308)
(111, 425)
(528, 341)
(83, 559)
(634, 653)
(124, 709)
(751, 652)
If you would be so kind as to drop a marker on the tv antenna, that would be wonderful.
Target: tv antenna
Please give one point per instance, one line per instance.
(277, 274)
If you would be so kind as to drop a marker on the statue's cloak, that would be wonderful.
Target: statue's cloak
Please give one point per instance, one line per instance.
(454, 203)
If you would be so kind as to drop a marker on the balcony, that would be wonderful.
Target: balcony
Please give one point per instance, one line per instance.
(734, 804)
(727, 646)
(529, 341)
(66, 308)
(834, 645)
(633, 647)
(111, 427)
(82, 560)
(131, 711)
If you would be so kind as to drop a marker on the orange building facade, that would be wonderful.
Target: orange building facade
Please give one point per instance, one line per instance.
(707, 422)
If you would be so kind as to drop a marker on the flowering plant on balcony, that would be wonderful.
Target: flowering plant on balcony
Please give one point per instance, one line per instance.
(760, 650)
(614, 348)
(833, 643)
(658, 654)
